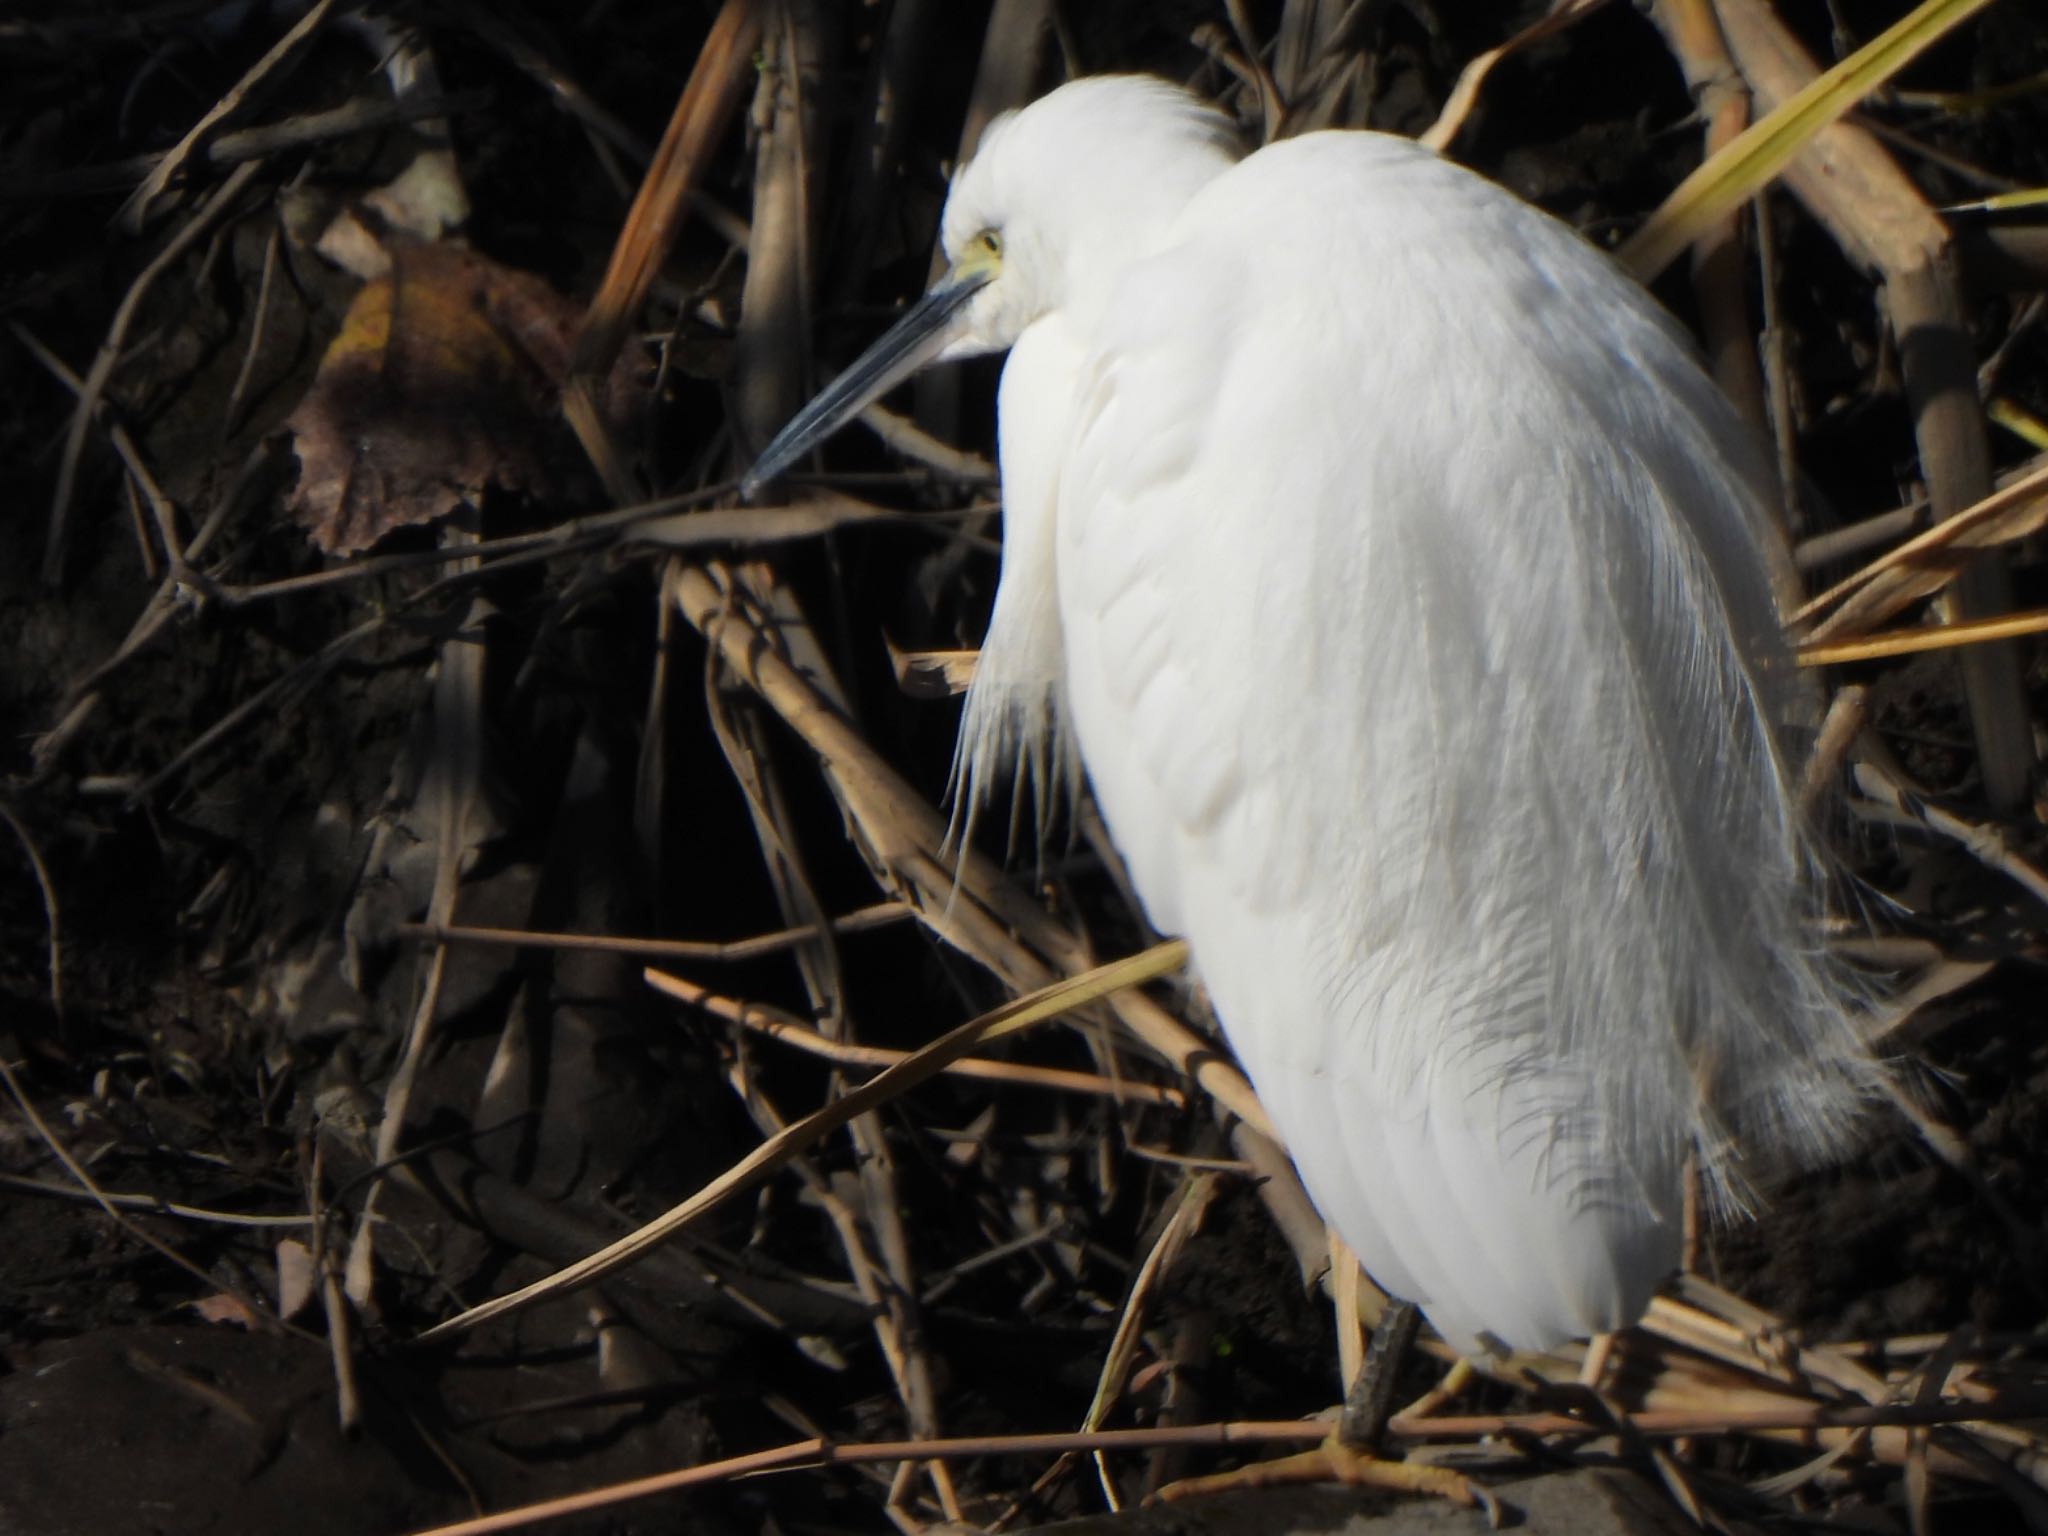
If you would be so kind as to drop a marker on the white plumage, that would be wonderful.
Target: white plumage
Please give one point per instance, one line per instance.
(1401, 581)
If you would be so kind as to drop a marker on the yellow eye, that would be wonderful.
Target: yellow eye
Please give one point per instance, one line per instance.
(991, 242)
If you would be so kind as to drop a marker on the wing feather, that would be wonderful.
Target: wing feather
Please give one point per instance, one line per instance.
(1431, 686)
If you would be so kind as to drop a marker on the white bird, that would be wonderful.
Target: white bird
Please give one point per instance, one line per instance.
(1401, 580)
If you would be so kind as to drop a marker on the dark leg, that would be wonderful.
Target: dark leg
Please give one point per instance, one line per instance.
(1370, 1402)
(1350, 1454)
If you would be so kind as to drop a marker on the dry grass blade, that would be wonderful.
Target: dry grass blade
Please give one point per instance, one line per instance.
(1769, 144)
(718, 951)
(816, 514)
(875, 1277)
(2019, 421)
(1884, 224)
(1910, 642)
(933, 674)
(150, 1205)
(1923, 565)
(819, 1452)
(2004, 202)
(724, 66)
(773, 1024)
(1023, 1013)
(960, 897)
(1465, 94)
(1123, 1345)
(1891, 1029)
(709, 101)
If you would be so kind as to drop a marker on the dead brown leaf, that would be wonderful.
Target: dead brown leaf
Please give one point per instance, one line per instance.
(442, 382)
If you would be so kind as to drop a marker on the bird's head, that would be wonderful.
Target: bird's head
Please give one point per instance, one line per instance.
(1059, 198)
(1063, 195)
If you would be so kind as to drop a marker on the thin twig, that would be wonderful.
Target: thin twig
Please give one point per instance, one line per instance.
(1936, 637)
(281, 54)
(160, 507)
(155, 1205)
(881, 914)
(1989, 844)
(365, 115)
(111, 349)
(814, 1453)
(2012, 511)
(774, 1024)
(1195, 1197)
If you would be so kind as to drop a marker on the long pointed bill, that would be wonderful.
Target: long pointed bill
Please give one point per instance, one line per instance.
(923, 332)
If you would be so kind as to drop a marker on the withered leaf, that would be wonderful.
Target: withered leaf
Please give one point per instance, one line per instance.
(442, 382)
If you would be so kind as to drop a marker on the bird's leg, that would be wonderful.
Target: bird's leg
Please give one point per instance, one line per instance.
(1350, 1454)
(1370, 1401)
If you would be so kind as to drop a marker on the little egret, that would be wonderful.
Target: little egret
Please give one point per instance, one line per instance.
(1401, 580)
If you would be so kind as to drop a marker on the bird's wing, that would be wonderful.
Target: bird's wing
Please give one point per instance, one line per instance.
(1419, 648)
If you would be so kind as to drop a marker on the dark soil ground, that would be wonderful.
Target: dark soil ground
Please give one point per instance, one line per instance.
(228, 790)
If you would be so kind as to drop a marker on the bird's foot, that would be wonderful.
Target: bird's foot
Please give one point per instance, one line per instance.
(1335, 1462)
(1350, 1456)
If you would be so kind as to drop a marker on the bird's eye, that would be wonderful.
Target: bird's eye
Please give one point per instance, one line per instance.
(990, 242)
